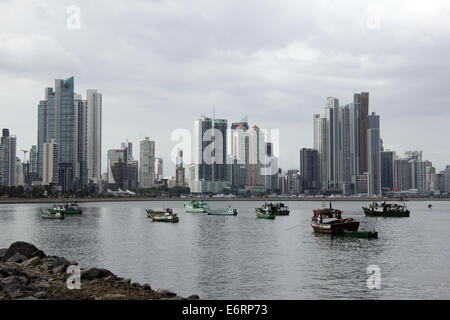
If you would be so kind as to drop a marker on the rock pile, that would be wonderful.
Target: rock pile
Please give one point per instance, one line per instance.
(28, 273)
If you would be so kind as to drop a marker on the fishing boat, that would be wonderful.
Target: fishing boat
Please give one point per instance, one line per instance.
(264, 213)
(278, 209)
(68, 208)
(361, 234)
(329, 220)
(386, 210)
(57, 215)
(165, 215)
(225, 212)
(196, 206)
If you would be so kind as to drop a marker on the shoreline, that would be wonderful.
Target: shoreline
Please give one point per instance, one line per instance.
(136, 199)
(27, 273)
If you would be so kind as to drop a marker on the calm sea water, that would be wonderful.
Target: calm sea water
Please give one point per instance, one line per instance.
(247, 258)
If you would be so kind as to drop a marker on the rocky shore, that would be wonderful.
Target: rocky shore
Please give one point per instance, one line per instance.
(26, 272)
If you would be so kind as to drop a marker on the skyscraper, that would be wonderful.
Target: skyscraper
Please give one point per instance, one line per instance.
(179, 171)
(117, 169)
(147, 162)
(334, 146)
(8, 147)
(94, 137)
(373, 154)
(309, 170)
(210, 153)
(50, 163)
(56, 120)
(387, 170)
(75, 124)
(363, 100)
(321, 145)
(402, 175)
(80, 142)
(447, 179)
(345, 134)
(159, 168)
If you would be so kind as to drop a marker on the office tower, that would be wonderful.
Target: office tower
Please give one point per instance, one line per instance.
(355, 142)
(447, 179)
(402, 175)
(361, 183)
(50, 163)
(94, 137)
(147, 163)
(363, 100)
(179, 170)
(220, 153)
(373, 154)
(321, 145)
(33, 168)
(130, 150)
(8, 145)
(239, 153)
(56, 120)
(309, 170)
(65, 131)
(429, 172)
(191, 174)
(117, 169)
(271, 179)
(418, 170)
(345, 135)
(159, 168)
(21, 169)
(334, 146)
(291, 182)
(80, 145)
(387, 170)
(437, 183)
(132, 173)
(239, 143)
(210, 152)
(256, 144)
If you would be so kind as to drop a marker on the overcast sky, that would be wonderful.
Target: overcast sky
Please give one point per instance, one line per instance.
(162, 64)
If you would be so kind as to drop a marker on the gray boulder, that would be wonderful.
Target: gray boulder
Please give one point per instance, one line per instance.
(13, 285)
(24, 248)
(54, 261)
(17, 258)
(95, 273)
(2, 252)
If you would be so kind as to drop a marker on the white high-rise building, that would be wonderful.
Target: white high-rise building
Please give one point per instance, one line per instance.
(50, 163)
(94, 137)
(321, 145)
(147, 163)
(159, 168)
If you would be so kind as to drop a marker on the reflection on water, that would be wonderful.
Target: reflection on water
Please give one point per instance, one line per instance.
(241, 257)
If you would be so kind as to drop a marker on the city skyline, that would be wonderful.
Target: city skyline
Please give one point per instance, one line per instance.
(279, 80)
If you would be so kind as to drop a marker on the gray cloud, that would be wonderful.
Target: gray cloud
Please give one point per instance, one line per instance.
(161, 64)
